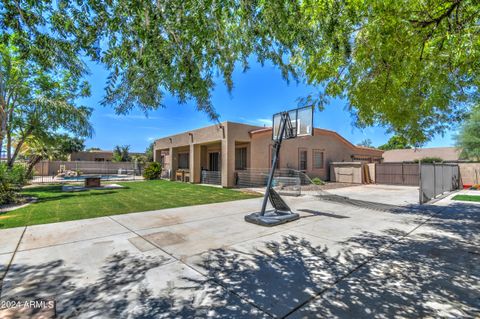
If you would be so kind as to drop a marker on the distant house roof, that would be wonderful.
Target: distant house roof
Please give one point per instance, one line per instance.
(406, 155)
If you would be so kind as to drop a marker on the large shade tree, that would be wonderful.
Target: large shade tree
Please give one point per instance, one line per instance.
(410, 65)
(468, 139)
(395, 142)
(37, 102)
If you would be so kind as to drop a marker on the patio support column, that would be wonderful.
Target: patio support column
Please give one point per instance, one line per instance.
(228, 162)
(195, 169)
(172, 153)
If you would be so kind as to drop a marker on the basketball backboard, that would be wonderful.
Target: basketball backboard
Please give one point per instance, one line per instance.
(301, 120)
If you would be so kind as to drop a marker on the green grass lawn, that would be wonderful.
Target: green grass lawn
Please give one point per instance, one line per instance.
(54, 205)
(468, 198)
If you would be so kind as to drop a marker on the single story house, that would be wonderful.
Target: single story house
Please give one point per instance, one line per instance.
(412, 154)
(95, 156)
(229, 147)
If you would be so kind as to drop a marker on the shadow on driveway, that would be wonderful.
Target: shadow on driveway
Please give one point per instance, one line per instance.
(430, 274)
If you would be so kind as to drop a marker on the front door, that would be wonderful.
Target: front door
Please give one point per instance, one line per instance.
(214, 161)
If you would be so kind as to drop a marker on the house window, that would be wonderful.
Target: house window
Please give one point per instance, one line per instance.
(183, 161)
(241, 158)
(318, 157)
(302, 160)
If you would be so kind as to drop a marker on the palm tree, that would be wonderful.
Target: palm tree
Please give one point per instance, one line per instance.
(35, 149)
(121, 153)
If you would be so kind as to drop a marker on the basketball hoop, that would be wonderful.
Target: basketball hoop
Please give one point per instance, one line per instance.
(286, 125)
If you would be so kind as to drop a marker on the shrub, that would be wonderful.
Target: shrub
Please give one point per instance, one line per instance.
(430, 160)
(152, 171)
(11, 182)
(317, 181)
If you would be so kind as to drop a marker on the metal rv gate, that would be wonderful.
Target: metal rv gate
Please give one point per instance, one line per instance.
(433, 179)
(436, 179)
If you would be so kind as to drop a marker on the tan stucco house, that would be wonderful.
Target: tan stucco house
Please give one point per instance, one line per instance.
(229, 147)
(94, 155)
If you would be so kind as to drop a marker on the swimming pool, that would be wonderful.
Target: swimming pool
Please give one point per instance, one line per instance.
(103, 177)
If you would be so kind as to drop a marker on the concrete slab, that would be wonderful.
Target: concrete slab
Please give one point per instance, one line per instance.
(439, 248)
(70, 272)
(4, 261)
(174, 216)
(61, 233)
(280, 271)
(371, 229)
(9, 239)
(225, 267)
(187, 294)
(392, 287)
(276, 277)
(458, 219)
(386, 194)
(199, 236)
(111, 278)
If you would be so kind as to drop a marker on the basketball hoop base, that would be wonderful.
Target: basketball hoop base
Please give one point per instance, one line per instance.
(271, 218)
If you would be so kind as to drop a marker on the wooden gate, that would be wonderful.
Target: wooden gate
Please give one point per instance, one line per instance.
(397, 174)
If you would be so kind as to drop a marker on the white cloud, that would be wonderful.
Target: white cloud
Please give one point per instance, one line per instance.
(259, 122)
(151, 139)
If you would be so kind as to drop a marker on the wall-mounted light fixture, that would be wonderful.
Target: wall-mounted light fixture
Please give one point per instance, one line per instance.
(220, 126)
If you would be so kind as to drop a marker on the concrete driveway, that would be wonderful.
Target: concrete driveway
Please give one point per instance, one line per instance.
(386, 194)
(205, 261)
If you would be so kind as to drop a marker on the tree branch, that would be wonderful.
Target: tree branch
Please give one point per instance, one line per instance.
(437, 20)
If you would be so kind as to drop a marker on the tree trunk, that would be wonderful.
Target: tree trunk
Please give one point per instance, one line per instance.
(3, 128)
(8, 129)
(19, 146)
(32, 162)
(9, 145)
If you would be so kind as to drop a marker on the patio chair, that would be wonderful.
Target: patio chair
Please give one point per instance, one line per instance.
(179, 175)
(186, 176)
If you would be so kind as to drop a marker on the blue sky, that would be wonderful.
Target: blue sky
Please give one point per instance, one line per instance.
(258, 93)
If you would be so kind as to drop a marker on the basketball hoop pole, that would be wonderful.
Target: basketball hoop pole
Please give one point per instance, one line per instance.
(283, 128)
(276, 147)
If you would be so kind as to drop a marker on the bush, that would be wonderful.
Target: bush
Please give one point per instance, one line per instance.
(317, 181)
(11, 182)
(430, 160)
(152, 171)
